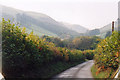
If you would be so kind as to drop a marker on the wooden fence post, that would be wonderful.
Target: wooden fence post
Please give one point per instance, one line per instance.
(112, 26)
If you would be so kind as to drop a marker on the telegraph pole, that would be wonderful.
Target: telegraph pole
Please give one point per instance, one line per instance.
(112, 26)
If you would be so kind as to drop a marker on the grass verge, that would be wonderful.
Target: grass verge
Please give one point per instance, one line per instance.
(119, 76)
(50, 70)
(103, 74)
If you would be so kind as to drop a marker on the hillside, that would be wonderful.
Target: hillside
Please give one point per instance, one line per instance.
(103, 31)
(43, 24)
(107, 28)
(75, 27)
(40, 23)
(93, 32)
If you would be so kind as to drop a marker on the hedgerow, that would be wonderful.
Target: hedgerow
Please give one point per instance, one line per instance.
(107, 53)
(23, 52)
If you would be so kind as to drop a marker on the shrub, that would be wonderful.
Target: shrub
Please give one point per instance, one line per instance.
(107, 52)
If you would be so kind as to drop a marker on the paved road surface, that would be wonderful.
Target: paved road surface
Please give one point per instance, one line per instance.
(80, 71)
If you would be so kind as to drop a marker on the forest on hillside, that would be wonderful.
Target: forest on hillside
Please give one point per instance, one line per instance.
(80, 43)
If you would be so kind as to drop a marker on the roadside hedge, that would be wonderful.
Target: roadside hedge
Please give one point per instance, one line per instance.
(23, 52)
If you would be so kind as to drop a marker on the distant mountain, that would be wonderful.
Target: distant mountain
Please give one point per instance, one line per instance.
(108, 29)
(40, 23)
(104, 31)
(43, 24)
(93, 32)
(75, 27)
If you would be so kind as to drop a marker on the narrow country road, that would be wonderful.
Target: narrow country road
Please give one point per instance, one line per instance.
(80, 71)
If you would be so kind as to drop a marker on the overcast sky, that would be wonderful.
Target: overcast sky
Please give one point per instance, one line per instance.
(88, 13)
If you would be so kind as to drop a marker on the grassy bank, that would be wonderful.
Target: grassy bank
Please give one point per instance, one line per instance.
(50, 70)
(102, 74)
(46, 71)
(119, 76)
